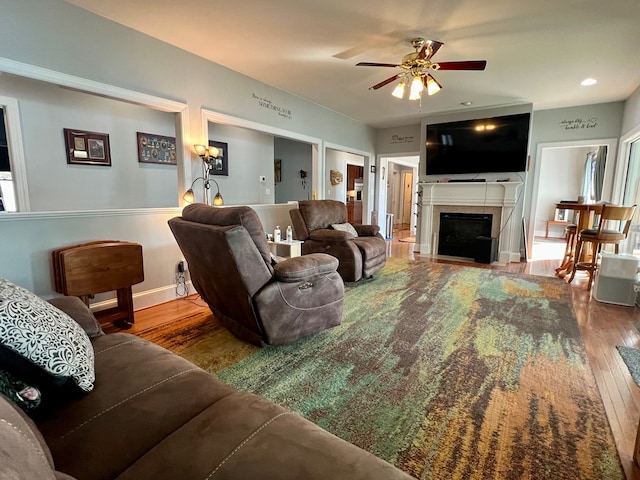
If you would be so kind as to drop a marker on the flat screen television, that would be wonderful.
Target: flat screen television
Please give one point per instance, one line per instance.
(496, 144)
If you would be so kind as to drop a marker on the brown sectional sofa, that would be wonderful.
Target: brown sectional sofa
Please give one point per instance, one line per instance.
(154, 415)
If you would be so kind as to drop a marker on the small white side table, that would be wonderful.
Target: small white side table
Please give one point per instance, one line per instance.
(286, 249)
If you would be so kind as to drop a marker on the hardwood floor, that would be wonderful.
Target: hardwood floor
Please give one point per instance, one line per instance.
(603, 327)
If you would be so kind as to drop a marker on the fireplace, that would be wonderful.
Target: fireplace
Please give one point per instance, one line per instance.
(498, 199)
(459, 233)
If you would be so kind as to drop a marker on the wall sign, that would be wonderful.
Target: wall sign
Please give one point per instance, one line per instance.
(395, 139)
(269, 105)
(578, 123)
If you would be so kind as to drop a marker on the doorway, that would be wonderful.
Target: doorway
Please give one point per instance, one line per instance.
(7, 193)
(399, 196)
(560, 175)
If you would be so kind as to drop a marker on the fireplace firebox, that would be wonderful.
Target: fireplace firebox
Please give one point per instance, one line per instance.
(465, 235)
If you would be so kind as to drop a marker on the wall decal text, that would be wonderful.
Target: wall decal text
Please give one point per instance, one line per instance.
(269, 105)
(579, 123)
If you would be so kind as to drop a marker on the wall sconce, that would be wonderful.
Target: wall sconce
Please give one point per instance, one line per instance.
(207, 154)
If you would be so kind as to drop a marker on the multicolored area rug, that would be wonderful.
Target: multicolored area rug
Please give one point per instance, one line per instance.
(447, 372)
(631, 357)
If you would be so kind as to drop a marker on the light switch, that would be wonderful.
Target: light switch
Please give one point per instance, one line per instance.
(267, 191)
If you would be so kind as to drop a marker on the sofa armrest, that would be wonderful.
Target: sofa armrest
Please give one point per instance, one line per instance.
(302, 268)
(329, 235)
(77, 310)
(366, 230)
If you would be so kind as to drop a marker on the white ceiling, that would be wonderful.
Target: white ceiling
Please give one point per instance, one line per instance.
(537, 51)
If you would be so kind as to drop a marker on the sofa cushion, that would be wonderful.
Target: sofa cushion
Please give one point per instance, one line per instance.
(23, 451)
(45, 336)
(244, 436)
(142, 394)
(345, 227)
(79, 311)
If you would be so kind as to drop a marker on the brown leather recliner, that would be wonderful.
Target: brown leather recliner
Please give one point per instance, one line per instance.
(231, 268)
(359, 255)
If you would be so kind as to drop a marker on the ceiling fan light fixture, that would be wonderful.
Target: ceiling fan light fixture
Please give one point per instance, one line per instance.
(416, 88)
(433, 86)
(398, 92)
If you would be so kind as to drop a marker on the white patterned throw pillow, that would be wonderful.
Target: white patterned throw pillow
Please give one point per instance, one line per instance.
(44, 335)
(345, 227)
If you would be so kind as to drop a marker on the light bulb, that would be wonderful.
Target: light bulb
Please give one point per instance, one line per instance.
(188, 196)
(214, 152)
(432, 85)
(416, 88)
(200, 150)
(398, 92)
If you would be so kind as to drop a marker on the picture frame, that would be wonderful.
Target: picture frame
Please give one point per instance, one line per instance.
(277, 170)
(562, 215)
(87, 148)
(157, 149)
(220, 165)
(373, 169)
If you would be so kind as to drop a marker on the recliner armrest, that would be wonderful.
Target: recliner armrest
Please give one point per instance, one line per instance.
(305, 267)
(328, 235)
(366, 230)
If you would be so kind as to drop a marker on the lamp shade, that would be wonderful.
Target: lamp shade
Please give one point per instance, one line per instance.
(416, 88)
(188, 196)
(201, 150)
(398, 92)
(213, 151)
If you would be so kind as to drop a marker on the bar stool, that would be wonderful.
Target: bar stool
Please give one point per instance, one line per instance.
(601, 236)
(570, 232)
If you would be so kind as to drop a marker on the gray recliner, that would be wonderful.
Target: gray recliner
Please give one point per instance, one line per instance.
(256, 299)
(360, 254)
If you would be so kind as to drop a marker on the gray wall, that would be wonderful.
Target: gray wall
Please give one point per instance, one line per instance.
(55, 35)
(250, 156)
(45, 110)
(294, 156)
(631, 117)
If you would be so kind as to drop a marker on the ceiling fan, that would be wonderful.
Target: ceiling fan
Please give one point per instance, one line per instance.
(416, 66)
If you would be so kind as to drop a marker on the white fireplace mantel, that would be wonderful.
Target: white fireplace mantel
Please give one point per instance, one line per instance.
(474, 195)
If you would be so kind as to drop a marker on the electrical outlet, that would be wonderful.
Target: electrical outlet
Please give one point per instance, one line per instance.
(181, 267)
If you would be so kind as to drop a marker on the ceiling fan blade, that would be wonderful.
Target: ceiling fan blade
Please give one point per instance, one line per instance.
(372, 64)
(430, 48)
(464, 65)
(384, 82)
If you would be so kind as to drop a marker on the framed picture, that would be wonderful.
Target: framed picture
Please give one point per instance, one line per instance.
(156, 149)
(220, 165)
(373, 169)
(87, 148)
(277, 170)
(562, 215)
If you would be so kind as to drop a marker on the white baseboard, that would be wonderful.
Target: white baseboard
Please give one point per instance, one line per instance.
(145, 299)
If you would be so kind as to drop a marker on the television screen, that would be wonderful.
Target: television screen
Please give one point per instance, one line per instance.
(497, 144)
